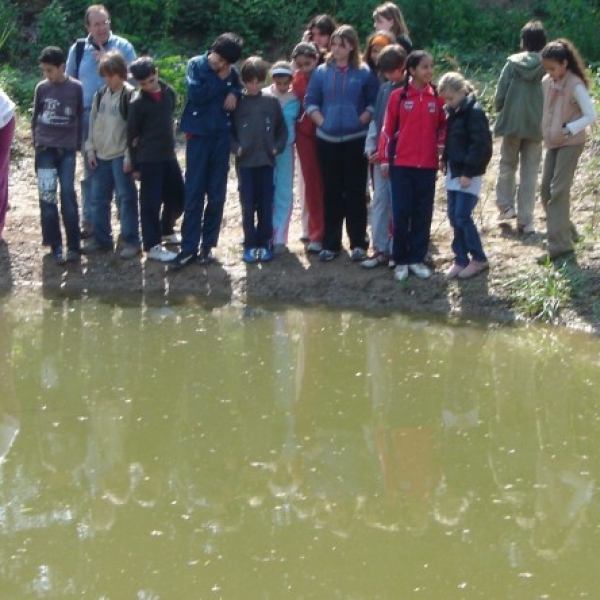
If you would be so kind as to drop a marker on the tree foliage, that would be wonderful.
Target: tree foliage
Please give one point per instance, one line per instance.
(474, 30)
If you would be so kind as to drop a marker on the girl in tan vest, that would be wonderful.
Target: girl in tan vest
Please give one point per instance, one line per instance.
(568, 110)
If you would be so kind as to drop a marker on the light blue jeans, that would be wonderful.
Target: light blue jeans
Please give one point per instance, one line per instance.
(466, 237)
(108, 175)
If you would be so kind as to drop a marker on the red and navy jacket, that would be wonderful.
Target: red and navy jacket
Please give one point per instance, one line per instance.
(414, 128)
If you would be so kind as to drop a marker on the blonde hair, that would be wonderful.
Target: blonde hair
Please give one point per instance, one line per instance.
(454, 82)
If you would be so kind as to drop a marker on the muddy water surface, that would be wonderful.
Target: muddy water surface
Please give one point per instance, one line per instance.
(151, 451)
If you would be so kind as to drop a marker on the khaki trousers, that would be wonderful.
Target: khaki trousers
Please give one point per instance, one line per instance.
(557, 178)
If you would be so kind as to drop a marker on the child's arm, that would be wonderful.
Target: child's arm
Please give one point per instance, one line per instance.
(502, 87)
(390, 121)
(314, 98)
(202, 88)
(441, 140)
(586, 104)
(134, 128)
(281, 131)
(370, 90)
(35, 114)
(90, 148)
(478, 132)
(79, 116)
(234, 141)
(371, 142)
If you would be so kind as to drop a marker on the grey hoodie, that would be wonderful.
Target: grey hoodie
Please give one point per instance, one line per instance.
(519, 97)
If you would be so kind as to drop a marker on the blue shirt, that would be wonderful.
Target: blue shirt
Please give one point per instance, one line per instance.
(89, 77)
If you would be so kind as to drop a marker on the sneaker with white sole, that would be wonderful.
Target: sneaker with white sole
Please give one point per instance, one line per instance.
(327, 255)
(526, 229)
(376, 260)
(420, 270)
(314, 247)
(183, 259)
(401, 272)
(358, 254)
(159, 252)
(506, 213)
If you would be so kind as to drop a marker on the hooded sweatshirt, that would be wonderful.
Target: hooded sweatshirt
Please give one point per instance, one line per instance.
(519, 97)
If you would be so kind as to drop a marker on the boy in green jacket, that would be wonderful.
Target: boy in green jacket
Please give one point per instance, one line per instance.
(519, 101)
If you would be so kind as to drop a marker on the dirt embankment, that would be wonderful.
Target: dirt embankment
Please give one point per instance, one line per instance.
(299, 278)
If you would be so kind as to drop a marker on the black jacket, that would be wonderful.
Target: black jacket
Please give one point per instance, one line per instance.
(468, 139)
(150, 126)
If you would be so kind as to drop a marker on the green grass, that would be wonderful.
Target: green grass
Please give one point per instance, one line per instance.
(540, 294)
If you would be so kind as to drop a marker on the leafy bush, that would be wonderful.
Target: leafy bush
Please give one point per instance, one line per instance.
(19, 86)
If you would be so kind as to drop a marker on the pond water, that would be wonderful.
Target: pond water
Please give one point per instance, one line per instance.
(219, 452)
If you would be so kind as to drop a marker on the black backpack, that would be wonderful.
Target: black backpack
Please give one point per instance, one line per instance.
(124, 100)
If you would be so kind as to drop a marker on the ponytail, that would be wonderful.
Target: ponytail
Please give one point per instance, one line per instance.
(562, 50)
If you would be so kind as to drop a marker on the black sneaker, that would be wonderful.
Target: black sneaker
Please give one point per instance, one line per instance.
(58, 256)
(180, 261)
(206, 257)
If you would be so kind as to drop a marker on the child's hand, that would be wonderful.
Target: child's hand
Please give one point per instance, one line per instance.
(230, 102)
(385, 171)
(373, 158)
(92, 160)
(442, 165)
(465, 182)
(127, 166)
(136, 175)
(239, 152)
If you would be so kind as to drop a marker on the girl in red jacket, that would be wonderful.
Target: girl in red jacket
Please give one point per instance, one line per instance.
(306, 57)
(410, 145)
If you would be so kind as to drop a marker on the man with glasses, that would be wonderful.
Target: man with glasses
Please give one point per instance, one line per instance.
(82, 63)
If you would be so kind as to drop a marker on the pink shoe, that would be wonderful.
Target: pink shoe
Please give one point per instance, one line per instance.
(473, 268)
(454, 270)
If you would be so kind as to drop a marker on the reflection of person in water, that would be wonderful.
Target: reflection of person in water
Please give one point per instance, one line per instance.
(406, 410)
(565, 482)
(339, 478)
(9, 407)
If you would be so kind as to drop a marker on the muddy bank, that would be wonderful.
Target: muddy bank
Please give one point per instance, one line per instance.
(298, 278)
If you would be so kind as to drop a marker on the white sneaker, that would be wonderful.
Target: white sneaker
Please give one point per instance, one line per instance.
(506, 213)
(527, 229)
(159, 252)
(401, 272)
(420, 270)
(173, 238)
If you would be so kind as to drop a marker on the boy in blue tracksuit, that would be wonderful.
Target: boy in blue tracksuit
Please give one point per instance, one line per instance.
(213, 89)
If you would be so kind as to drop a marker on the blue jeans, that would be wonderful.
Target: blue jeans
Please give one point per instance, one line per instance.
(54, 167)
(109, 175)
(466, 237)
(413, 190)
(207, 165)
(256, 195)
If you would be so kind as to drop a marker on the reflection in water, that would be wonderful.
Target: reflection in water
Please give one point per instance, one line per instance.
(181, 452)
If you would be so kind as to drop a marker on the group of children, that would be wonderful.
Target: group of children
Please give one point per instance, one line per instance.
(347, 117)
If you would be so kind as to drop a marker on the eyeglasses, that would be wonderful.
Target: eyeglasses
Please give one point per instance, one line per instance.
(100, 23)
